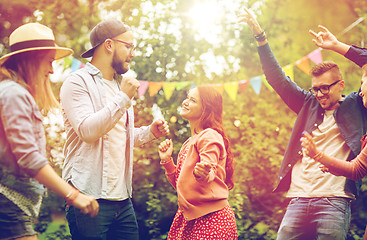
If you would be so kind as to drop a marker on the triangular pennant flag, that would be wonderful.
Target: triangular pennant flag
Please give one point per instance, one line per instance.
(288, 70)
(256, 84)
(143, 88)
(181, 85)
(242, 85)
(219, 87)
(154, 88)
(75, 64)
(67, 62)
(304, 65)
(315, 56)
(231, 89)
(266, 83)
(168, 88)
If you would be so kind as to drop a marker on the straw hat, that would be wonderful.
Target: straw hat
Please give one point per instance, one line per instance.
(34, 36)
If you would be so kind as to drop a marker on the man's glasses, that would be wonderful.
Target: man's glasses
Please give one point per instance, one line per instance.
(324, 89)
(129, 46)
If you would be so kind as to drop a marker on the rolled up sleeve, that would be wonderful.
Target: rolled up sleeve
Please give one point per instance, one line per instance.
(23, 128)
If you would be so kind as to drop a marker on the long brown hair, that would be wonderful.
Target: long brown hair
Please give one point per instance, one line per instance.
(212, 117)
(24, 69)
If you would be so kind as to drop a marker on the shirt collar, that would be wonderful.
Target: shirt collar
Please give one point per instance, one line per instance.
(92, 70)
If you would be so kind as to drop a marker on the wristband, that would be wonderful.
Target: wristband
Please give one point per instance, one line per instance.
(318, 156)
(260, 37)
(72, 195)
(166, 161)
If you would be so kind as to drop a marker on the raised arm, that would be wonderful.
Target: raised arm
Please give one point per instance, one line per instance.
(165, 150)
(288, 90)
(326, 40)
(255, 27)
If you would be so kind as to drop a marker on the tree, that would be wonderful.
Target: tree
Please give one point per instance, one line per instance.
(172, 48)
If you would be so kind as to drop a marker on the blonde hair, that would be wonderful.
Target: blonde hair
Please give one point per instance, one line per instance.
(23, 68)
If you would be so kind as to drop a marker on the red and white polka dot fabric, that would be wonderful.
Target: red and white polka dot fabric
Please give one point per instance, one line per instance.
(220, 225)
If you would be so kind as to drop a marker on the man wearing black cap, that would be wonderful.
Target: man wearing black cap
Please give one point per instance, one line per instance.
(99, 123)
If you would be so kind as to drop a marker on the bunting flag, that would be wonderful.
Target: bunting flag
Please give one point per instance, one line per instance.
(67, 62)
(75, 64)
(288, 71)
(143, 88)
(315, 56)
(168, 88)
(242, 85)
(182, 85)
(219, 87)
(304, 65)
(231, 89)
(154, 87)
(256, 84)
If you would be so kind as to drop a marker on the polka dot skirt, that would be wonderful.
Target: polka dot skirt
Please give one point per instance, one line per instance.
(219, 225)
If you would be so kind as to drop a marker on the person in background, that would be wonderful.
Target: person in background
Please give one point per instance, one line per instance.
(355, 169)
(203, 175)
(99, 123)
(319, 206)
(24, 169)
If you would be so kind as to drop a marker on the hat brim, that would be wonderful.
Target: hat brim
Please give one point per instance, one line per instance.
(60, 52)
(89, 53)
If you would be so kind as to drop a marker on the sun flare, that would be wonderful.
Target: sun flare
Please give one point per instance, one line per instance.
(205, 16)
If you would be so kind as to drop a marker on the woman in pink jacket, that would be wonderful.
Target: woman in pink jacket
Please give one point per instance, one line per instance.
(203, 174)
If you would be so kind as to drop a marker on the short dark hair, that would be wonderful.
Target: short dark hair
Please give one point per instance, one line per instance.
(324, 67)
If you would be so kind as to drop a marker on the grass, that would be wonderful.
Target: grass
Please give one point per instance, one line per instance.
(57, 229)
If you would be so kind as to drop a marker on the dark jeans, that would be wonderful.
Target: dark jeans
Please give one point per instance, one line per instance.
(115, 220)
(316, 218)
(14, 223)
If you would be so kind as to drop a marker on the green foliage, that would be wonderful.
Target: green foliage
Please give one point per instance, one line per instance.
(259, 126)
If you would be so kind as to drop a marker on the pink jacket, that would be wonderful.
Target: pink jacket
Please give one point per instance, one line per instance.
(196, 196)
(355, 169)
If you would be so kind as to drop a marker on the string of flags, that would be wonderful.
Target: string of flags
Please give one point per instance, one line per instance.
(230, 88)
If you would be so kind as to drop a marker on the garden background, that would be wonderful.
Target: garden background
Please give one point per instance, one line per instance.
(182, 43)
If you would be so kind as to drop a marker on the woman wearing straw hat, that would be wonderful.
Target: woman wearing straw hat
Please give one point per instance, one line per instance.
(24, 91)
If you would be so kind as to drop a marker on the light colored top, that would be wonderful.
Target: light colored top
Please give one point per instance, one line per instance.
(198, 197)
(22, 147)
(115, 180)
(88, 119)
(307, 178)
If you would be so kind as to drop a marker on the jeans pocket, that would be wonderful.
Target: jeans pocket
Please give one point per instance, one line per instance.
(292, 201)
(340, 203)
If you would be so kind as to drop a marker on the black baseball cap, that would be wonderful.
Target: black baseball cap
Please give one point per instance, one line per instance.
(105, 30)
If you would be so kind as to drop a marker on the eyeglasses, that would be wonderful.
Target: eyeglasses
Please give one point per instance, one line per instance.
(129, 46)
(324, 89)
